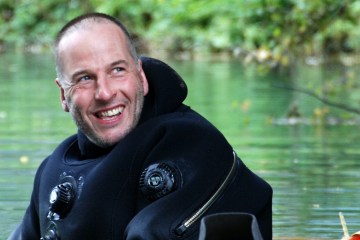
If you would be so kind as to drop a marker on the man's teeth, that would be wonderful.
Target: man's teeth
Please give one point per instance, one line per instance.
(111, 113)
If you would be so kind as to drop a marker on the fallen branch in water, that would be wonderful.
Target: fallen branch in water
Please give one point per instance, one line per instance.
(322, 99)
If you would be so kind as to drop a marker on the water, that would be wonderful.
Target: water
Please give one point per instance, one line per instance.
(313, 168)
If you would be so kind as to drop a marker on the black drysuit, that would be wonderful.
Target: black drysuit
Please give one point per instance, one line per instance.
(157, 183)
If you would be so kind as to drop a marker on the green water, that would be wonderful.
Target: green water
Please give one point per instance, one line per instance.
(313, 168)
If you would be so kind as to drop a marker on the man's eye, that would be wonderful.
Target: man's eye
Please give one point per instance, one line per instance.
(84, 78)
(118, 69)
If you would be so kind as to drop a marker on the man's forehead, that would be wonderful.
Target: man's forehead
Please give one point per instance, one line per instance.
(89, 25)
(89, 30)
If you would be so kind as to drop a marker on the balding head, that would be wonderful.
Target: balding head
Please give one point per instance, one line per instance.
(84, 22)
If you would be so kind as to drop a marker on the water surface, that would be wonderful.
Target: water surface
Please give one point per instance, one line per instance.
(313, 168)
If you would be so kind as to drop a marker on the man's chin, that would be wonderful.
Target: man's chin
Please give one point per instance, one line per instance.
(101, 142)
(105, 142)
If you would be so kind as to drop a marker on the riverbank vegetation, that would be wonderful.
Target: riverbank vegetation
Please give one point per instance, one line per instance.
(271, 31)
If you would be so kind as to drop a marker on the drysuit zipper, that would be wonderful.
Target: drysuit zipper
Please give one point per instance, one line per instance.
(180, 230)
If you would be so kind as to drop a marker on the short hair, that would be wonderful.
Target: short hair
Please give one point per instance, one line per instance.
(77, 23)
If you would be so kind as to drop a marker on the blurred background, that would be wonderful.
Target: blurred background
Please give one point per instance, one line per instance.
(278, 77)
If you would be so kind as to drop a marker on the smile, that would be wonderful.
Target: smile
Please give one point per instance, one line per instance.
(110, 113)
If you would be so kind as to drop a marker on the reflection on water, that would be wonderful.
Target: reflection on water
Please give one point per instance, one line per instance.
(312, 168)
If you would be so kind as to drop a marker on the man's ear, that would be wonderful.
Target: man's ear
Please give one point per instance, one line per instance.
(143, 78)
(62, 96)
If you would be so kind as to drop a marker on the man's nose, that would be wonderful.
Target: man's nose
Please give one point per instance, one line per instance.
(104, 89)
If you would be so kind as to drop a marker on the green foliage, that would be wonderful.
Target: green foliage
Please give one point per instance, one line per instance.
(30, 24)
(279, 29)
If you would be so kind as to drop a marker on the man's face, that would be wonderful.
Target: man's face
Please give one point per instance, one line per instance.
(104, 89)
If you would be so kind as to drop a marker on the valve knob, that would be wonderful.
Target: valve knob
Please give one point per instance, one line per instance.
(50, 235)
(51, 232)
(158, 180)
(61, 199)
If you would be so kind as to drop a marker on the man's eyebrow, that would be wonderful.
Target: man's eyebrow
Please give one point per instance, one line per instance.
(119, 62)
(77, 73)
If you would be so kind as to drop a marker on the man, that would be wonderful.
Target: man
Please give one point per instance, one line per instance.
(143, 165)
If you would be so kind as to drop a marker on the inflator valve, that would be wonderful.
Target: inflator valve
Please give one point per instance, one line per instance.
(61, 199)
(158, 180)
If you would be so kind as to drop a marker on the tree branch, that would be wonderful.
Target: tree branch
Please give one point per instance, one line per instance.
(322, 99)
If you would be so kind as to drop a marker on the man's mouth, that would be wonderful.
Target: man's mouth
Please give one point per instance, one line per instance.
(109, 113)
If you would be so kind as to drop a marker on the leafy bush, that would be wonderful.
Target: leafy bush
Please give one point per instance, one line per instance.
(275, 30)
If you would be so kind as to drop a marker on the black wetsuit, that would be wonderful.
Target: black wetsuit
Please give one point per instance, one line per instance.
(157, 183)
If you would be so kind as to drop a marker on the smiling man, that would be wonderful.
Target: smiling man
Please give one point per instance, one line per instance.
(143, 165)
(102, 84)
